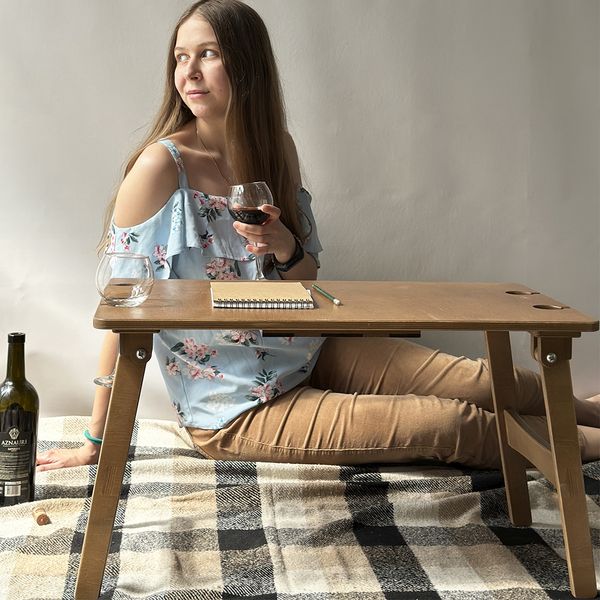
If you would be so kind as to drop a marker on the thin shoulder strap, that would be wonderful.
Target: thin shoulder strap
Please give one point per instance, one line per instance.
(172, 148)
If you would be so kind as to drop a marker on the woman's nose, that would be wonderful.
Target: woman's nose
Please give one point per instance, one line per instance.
(193, 70)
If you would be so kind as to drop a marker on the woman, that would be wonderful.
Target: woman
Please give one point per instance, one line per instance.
(238, 395)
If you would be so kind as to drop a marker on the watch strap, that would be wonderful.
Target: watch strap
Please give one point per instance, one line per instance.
(295, 259)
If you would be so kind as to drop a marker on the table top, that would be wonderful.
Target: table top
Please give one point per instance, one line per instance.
(367, 307)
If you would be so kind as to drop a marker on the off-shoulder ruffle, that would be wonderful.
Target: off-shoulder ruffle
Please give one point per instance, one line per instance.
(188, 220)
(192, 219)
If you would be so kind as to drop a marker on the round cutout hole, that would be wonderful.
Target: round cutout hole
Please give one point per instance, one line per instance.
(549, 306)
(521, 293)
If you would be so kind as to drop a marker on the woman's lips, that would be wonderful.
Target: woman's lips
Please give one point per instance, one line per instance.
(196, 93)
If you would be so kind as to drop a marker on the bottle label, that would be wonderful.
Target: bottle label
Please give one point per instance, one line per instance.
(15, 460)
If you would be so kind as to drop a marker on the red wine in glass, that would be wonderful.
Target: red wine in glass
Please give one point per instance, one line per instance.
(244, 202)
(248, 215)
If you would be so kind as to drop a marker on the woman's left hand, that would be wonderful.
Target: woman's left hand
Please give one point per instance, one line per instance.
(272, 237)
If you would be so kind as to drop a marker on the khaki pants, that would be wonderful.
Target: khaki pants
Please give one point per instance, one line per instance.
(378, 400)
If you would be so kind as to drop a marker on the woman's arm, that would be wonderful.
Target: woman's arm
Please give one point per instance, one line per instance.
(145, 190)
(88, 452)
(278, 239)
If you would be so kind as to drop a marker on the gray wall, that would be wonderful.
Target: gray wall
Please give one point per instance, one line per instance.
(442, 140)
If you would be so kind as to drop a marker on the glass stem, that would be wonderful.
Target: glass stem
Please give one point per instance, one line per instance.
(259, 267)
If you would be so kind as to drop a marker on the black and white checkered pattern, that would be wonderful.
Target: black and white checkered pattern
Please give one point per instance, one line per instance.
(190, 528)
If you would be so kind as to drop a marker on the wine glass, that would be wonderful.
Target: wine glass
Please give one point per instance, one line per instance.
(124, 278)
(243, 202)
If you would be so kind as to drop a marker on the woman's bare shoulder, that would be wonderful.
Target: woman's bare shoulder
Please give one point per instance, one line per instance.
(147, 187)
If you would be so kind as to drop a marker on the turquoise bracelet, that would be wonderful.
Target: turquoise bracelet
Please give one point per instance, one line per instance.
(88, 436)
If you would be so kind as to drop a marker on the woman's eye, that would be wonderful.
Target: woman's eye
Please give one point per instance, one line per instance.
(209, 53)
(180, 58)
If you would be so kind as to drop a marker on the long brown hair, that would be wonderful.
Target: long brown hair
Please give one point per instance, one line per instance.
(255, 124)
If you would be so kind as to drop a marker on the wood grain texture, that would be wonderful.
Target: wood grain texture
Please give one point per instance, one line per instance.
(383, 306)
(373, 308)
(527, 442)
(111, 464)
(564, 445)
(504, 398)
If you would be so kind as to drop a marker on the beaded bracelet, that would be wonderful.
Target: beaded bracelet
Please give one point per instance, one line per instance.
(88, 436)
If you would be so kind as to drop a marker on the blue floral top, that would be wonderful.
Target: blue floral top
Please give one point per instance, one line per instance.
(214, 376)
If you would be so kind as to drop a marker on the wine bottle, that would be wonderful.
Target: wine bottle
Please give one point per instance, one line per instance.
(19, 407)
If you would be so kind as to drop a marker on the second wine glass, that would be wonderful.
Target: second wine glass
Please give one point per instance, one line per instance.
(124, 278)
(243, 204)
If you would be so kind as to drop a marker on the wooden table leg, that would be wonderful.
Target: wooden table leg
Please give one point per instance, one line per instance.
(553, 355)
(504, 396)
(135, 351)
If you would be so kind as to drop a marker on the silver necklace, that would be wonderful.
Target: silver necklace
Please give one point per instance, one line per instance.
(199, 138)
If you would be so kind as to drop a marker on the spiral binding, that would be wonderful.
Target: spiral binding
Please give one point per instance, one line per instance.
(257, 303)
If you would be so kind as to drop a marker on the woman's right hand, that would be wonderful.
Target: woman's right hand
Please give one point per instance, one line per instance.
(58, 458)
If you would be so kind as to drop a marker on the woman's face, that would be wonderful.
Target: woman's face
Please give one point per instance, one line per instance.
(200, 76)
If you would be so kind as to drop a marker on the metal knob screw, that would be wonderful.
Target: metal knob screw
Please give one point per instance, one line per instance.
(141, 354)
(551, 358)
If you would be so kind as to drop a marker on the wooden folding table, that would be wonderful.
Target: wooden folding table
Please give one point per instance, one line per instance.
(373, 308)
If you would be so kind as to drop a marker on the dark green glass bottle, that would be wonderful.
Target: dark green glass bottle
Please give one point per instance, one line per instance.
(19, 407)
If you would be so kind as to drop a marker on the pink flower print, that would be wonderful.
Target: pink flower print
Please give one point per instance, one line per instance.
(217, 203)
(189, 347)
(206, 239)
(194, 372)
(262, 393)
(222, 269)
(209, 373)
(200, 197)
(127, 239)
(211, 207)
(228, 276)
(160, 252)
(243, 338)
(200, 353)
(172, 367)
(267, 387)
(195, 351)
(124, 242)
(238, 337)
(215, 267)
(197, 372)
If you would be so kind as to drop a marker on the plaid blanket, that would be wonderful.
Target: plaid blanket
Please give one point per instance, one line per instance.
(193, 528)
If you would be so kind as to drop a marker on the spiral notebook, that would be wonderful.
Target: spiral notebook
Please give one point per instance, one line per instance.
(260, 294)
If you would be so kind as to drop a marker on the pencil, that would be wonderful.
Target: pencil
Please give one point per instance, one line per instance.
(327, 295)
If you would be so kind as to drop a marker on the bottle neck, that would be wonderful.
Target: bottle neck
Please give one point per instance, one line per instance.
(15, 368)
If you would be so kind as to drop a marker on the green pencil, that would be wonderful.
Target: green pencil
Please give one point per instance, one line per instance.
(326, 294)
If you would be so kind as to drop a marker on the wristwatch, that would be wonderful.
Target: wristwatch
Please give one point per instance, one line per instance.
(295, 259)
